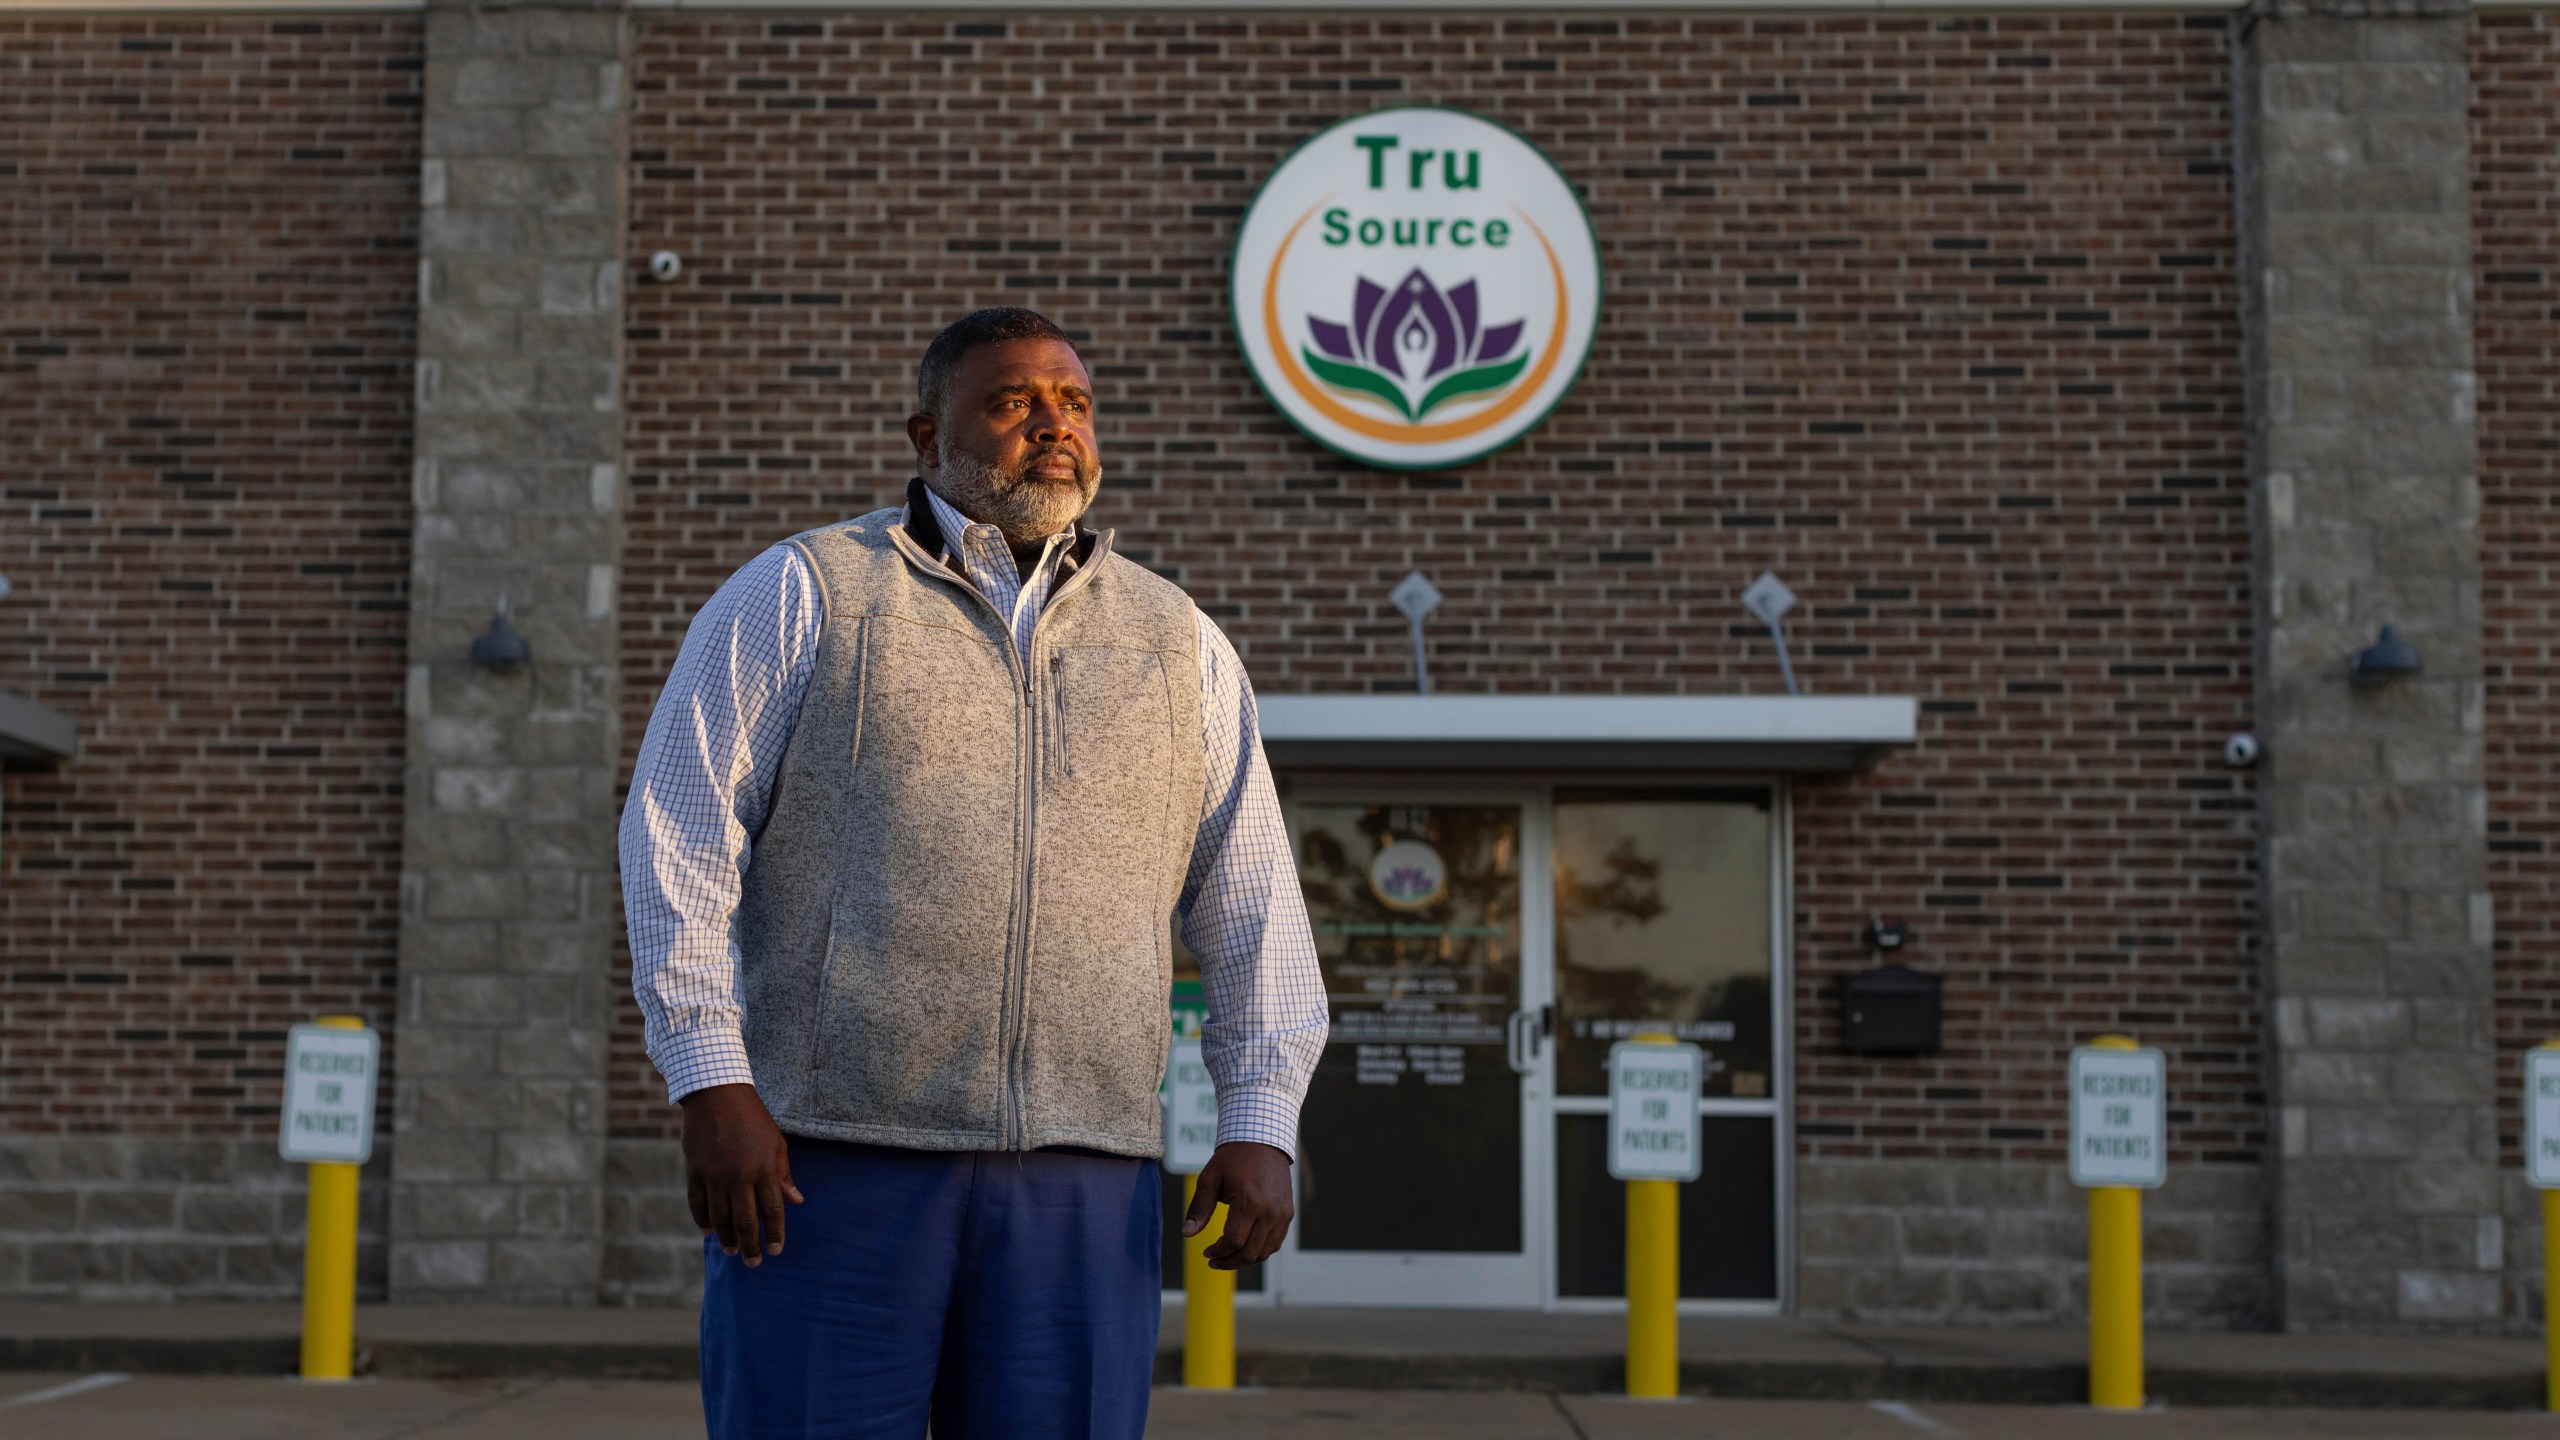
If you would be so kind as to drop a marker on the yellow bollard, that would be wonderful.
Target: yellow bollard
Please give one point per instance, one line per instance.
(2550, 1290)
(1653, 1282)
(1209, 1305)
(329, 1262)
(2115, 1285)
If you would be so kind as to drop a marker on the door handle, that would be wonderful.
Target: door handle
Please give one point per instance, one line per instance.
(1522, 1033)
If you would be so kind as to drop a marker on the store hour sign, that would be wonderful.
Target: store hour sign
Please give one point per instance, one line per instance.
(1416, 288)
(2119, 1117)
(1653, 1110)
(2542, 1118)
(329, 1076)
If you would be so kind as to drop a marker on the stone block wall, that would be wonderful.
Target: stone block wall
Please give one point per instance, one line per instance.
(143, 1218)
(2356, 220)
(1904, 1243)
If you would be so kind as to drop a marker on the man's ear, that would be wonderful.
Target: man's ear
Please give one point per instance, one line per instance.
(925, 433)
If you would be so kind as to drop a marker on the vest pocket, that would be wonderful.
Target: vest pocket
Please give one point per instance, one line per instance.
(1062, 748)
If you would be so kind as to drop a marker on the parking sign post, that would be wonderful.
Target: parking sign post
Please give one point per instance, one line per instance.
(2119, 1148)
(1653, 1147)
(2542, 1168)
(329, 1070)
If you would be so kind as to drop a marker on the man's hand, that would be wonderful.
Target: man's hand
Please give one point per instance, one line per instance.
(737, 1171)
(1252, 1180)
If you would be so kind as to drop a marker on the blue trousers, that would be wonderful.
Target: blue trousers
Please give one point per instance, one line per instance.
(1002, 1296)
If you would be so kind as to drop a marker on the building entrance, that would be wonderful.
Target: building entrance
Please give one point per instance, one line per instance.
(1482, 949)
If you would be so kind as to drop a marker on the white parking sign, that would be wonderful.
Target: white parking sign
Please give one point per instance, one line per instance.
(2542, 1118)
(1190, 1110)
(328, 1094)
(2119, 1117)
(1653, 1111)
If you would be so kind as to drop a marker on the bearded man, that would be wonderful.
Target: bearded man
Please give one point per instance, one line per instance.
(915, 816)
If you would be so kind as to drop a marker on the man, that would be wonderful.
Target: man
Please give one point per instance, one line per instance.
(909, 830)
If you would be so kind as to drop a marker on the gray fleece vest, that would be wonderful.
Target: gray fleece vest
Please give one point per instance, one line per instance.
(955, 926)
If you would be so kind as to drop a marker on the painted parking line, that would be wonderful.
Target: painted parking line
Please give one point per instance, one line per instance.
(67, 1389)
(1911, 1416)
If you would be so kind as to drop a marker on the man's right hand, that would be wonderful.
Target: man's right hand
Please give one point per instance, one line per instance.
(737, 1170)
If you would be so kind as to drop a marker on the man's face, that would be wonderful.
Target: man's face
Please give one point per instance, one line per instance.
(1015, 447)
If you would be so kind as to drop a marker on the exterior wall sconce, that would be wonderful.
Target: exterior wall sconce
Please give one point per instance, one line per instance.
(2384, 659)
(500, 647)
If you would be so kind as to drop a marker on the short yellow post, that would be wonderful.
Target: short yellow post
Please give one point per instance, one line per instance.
(2551, 1297)
(2115, 1285)
(1653, 1281)
(329, 1262)
(1208, 1307)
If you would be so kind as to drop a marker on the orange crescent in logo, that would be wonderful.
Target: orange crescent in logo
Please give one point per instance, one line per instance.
(1359, 424)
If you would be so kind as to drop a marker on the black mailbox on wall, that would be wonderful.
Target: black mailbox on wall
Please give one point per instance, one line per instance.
(1890, 1010)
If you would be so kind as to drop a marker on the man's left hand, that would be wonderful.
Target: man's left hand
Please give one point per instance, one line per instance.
(1252, 1181)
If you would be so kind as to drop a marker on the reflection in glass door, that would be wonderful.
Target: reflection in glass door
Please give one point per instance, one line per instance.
(1412, 1173)
(1665, 908)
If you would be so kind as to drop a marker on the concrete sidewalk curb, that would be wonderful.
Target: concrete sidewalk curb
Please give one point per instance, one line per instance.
(1878, 1379)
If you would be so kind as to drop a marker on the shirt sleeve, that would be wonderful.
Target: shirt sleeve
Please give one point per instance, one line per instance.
(700, 793)
(1243, 913)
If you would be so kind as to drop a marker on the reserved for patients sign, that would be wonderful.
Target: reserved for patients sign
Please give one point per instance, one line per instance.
(1190, 1111)
(328, 1094)
(2119, 1117)
(1653, 1110)
(2542, 1118)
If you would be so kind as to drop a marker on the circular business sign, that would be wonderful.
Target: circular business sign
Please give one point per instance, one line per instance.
(1416, 288)
(1408, 875)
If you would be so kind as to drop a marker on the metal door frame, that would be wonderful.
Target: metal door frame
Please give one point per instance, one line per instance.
(1442, 1279)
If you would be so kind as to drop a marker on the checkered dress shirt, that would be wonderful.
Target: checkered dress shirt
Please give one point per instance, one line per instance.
(704, 781)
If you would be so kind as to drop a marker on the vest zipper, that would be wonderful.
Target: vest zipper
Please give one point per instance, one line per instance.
(1017, 1131)
(1018, 964)
(1058, 690)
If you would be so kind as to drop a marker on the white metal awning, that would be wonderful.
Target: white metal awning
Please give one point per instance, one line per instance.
(33, 734)
(1818, 733)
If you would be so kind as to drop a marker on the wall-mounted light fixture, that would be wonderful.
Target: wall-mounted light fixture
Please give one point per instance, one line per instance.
(2384, 659)
(500, 647)
(1417, 597)
(1768, 599)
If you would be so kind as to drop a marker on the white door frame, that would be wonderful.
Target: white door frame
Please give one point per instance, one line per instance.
(1456, 1279)
(1459, 1280)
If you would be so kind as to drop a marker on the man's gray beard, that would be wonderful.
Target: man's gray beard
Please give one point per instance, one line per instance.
(1025, 510)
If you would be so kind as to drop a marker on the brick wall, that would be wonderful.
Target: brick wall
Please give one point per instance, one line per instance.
(2515, 113)
(1935, 316)
(207, 276)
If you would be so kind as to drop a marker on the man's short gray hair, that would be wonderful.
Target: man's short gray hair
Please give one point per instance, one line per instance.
(991, 326)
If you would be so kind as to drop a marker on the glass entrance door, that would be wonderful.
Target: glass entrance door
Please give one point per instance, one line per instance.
(1665, 906)
(1417, 1154)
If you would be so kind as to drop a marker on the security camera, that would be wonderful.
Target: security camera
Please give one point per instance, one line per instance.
(665, 265)
(2240, 751)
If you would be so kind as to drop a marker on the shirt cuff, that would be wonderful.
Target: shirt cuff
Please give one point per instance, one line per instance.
(701, 1058)
(1265, 1117)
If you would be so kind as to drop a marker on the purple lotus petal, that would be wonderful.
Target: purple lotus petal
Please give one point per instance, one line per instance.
(1462, 299)
(1332, 339)
(1364, 308)
(1414, 334)
(1498, 342)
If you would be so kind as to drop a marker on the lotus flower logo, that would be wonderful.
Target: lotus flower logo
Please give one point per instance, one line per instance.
(1415, 347)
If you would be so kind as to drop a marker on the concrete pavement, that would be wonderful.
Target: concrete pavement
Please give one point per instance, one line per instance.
(262, 1408)
(1366, 1349)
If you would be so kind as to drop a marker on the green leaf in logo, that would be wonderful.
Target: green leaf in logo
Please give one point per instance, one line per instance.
(1355, 377)
(1469, 382)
